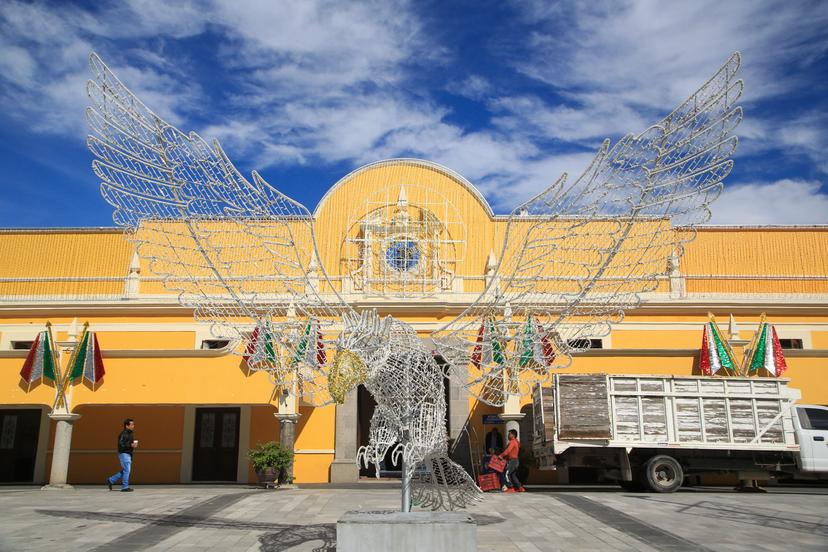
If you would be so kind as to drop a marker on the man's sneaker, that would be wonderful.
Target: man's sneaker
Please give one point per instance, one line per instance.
(521, 490)
(127, 490)
(109, 484)
(503, 488)
(510, 490)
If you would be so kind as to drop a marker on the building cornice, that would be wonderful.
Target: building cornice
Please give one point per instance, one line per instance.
(777, 304)
(604, 353)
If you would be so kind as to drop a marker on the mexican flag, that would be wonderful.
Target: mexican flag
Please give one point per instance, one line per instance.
(41, 361)
(86, 361)
(260, 348)
(768, 353)
(535, 345)
(715, 354)
(489, 348)
(311, 348)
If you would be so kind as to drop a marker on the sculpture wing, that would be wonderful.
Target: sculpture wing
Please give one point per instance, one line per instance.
(578, 255)
(241, 254)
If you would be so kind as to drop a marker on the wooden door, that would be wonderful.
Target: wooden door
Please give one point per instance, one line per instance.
(216, 444)
(19, 430)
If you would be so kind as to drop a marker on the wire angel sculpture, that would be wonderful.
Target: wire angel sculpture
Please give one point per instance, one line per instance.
(574, 258)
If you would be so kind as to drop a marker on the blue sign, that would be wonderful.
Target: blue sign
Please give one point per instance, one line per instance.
(492, 419)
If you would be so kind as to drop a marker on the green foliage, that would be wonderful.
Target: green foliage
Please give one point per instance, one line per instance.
(270, 455)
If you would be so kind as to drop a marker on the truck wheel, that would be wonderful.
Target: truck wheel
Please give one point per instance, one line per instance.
(663, 474)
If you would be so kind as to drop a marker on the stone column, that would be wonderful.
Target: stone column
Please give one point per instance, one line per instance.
(287, 438)
(60, 451)
(459, 439)
(344, 468)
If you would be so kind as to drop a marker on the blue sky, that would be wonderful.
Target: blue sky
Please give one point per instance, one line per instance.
(509, 94)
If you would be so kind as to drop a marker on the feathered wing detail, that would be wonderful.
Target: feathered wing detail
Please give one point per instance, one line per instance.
(581, 254)
(439, 483)
(238, 253)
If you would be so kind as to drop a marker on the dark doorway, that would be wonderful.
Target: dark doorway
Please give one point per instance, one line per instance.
(365, 408)
(216, 444)
(19, 430)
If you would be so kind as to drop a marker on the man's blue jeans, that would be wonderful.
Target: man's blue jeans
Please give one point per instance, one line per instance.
(126, 466)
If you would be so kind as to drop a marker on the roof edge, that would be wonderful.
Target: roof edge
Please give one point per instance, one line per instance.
(411, 161)
(63, 230)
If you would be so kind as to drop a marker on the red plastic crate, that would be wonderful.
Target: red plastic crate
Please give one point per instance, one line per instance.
(488, 482)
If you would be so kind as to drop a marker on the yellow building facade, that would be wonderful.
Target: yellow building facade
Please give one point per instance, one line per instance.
(193, 400)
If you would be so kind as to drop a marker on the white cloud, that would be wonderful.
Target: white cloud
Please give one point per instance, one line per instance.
(325, 82)
(782, 202)
(475, 87)
(47, 86)
(656, 53)
(645, 57)
(596, 115)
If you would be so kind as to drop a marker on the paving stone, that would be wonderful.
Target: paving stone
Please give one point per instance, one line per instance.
(181, 518)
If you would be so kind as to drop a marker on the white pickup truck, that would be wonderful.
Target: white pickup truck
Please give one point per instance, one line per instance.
(650, 432)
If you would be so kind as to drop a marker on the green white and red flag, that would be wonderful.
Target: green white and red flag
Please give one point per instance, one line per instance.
(311, 348)
(260, 348)
(41, 361)
(768, 353)
(715, 354)
(86, 361)
(536, 347)
(489, 347)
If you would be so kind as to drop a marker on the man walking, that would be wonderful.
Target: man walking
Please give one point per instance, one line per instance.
(126, 444)
(512, 485)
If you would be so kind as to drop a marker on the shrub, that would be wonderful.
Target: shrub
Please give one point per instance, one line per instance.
(270, 455)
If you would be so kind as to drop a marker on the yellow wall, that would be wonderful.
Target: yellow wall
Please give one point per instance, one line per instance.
(791, 252)
(743, 263)
(159, 431)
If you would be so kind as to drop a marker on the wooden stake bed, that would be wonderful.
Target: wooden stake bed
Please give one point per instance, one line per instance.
(643, 411)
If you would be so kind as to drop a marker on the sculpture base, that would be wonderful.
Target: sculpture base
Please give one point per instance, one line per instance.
(381, 531)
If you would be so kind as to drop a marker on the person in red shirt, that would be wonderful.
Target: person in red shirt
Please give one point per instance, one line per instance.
(513, 484)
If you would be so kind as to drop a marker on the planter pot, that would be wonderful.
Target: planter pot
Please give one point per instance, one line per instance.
(268, 477)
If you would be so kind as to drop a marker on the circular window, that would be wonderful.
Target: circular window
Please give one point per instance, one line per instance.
(402, 255)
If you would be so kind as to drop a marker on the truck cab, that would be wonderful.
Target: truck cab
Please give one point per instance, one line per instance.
(811, 427)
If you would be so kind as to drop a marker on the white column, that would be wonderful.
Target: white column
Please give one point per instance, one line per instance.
(61, 450)
(512, 415)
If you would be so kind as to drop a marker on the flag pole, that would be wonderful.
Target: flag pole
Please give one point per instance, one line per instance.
(750, 350)
(66, 371)
(733, 371)
(56, 363)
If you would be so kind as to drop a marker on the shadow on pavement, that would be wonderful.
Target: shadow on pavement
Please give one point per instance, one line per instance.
(772, 489)
(740, 514)
(276, 538)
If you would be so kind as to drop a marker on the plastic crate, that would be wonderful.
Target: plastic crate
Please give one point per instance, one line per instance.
(488, 482)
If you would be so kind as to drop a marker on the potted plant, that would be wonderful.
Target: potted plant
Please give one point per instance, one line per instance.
(270, 460)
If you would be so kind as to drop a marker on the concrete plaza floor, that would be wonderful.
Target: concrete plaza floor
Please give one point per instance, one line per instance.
(193, 518)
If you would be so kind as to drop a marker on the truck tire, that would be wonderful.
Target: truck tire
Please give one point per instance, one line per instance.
(663, 474)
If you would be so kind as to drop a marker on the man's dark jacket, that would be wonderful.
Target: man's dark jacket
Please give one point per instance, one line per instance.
(125, 441)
